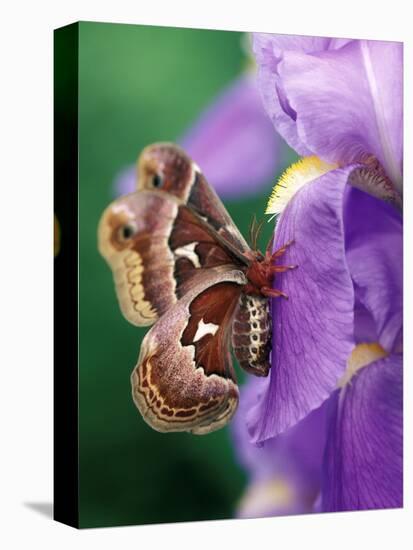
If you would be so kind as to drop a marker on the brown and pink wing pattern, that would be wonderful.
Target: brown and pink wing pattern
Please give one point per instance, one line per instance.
(133, 238)
(184, 379)
(155, 245)
(165, 166)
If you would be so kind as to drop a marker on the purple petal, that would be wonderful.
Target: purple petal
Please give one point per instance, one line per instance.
(374, 243)
(233, 141)
(269, 50)
(285, 472)
(364, 458)
(276, 44)
(268, 55)
(365, 330)
(349, 102)
(313, 329)
(125, 181)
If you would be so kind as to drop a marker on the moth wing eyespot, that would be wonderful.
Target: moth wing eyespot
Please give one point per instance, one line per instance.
(127, 231)
(157, 181)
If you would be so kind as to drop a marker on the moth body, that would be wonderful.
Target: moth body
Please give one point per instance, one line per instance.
(251, 334)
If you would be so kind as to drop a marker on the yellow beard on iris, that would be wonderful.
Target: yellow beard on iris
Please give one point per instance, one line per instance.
(293, 179)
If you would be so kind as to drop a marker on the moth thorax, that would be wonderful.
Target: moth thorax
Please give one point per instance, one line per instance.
(251, 334)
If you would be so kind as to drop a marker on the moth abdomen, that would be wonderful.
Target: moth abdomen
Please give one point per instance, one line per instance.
(251, 334)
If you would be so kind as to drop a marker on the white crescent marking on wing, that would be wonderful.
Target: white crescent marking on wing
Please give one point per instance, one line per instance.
(205, 328)
(188, 251)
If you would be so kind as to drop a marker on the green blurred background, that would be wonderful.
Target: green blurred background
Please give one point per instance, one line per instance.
(138, 85)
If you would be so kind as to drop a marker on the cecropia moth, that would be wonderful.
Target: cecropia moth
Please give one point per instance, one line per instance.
(180, 264)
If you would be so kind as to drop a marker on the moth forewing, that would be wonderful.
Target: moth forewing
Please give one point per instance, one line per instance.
(165, 166)
(154, 244)
(133, 238)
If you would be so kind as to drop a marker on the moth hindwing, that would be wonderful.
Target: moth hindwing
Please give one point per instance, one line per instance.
(184, 379)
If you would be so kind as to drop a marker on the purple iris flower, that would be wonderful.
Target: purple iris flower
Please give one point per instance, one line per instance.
(337, 340)
(286, 471)
(233, 142)
(341, 100)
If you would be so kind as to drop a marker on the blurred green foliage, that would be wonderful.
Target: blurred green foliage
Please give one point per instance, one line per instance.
(138, 85)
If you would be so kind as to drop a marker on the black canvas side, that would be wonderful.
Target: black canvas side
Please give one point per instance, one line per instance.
(66, 464)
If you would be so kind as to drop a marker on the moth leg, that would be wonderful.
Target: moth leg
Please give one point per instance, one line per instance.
(281, 250)
(268, 252)
(272, 292)
(281, 268)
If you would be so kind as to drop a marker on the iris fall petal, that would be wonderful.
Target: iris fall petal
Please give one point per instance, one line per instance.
(364, 457)
(318, 316)
(285, 472)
